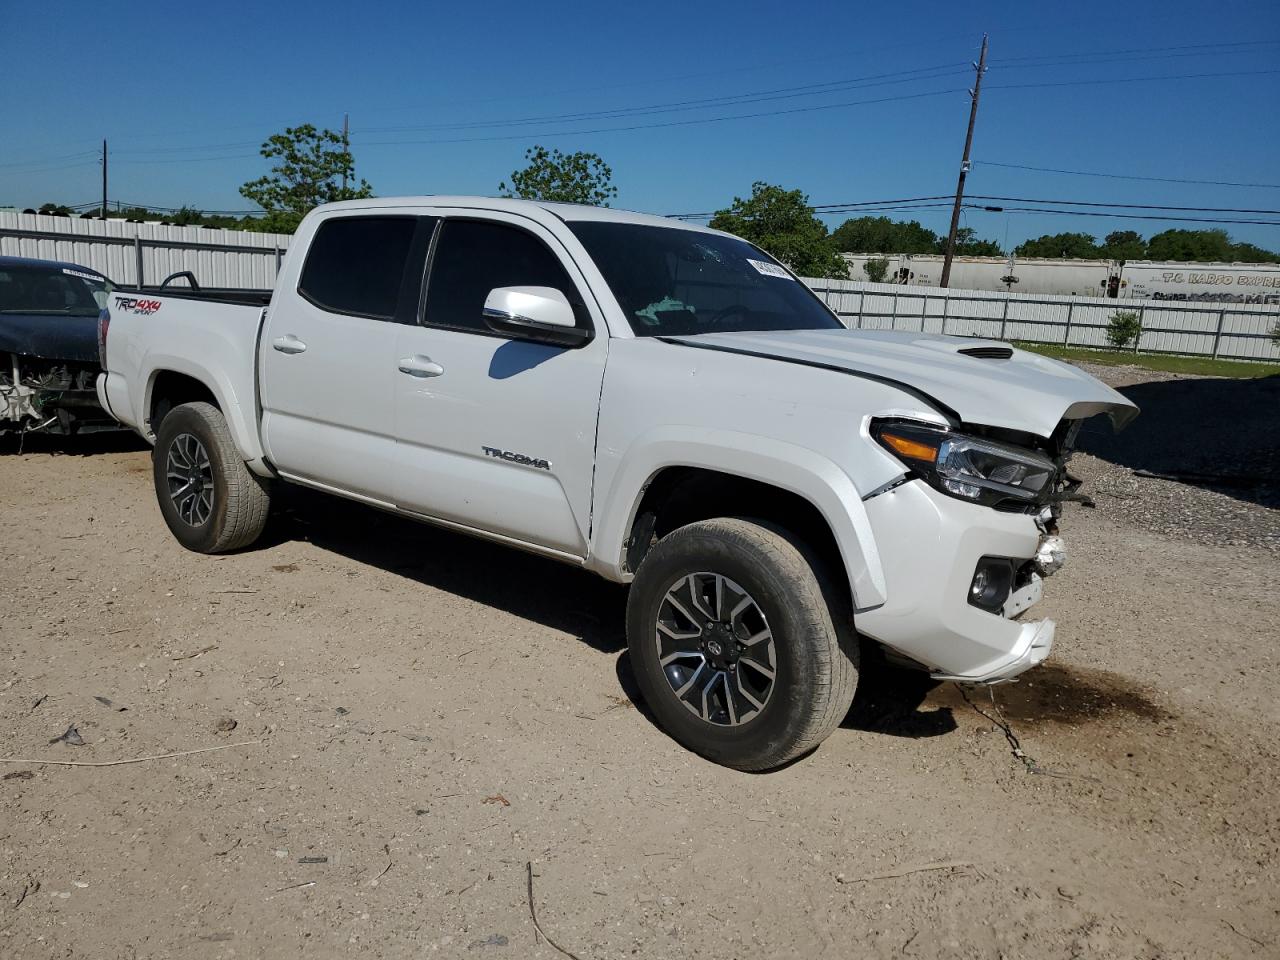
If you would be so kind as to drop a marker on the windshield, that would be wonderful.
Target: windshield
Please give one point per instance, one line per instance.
(672, 282)
(52, 291)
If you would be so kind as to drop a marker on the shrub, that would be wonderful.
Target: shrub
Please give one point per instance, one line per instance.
(1123, 328)
(876, 268)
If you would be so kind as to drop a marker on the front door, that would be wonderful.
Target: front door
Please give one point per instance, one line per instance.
(498, 434)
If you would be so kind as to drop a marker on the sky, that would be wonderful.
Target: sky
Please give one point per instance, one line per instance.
(874, 97)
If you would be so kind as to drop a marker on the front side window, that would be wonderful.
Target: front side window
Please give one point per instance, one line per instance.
(52, 291)
(673, 282)
(355, 265)
(475, 256)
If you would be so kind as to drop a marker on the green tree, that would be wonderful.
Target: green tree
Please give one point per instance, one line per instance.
(876, 268)
(310, 167)
(783, 223)
(55, 209)
(968, 244)
(1124, 245)
(1064, 246)
(882, 235)
(1189, 245)
(562, 177)
(1248, 253)
(1123, 328)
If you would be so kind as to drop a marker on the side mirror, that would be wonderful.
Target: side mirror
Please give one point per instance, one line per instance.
(540, 314)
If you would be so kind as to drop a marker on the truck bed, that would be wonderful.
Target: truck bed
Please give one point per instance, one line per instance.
(211, 339)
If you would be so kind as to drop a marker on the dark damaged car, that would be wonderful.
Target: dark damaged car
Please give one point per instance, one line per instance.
(49, 346)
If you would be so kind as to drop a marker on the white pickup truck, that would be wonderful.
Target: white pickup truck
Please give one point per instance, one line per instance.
(664, 405)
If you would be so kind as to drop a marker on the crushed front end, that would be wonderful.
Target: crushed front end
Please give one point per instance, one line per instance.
(966, 542)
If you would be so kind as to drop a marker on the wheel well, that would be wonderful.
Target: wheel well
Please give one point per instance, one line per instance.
(678, 496)
(171, 389)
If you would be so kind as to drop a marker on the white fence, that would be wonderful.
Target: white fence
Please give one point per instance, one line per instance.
(1234, 331)
(133, 254)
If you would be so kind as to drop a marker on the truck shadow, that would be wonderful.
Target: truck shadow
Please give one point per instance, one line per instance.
(1217, 433)
(553, 594)
(80, 445)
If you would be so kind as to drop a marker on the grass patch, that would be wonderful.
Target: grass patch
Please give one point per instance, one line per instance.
(1200, 366)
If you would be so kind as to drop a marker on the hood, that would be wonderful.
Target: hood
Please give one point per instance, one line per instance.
(979, 381)
(49, 337)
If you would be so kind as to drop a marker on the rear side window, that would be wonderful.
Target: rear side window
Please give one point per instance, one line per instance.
(473, 257)
(355, 265)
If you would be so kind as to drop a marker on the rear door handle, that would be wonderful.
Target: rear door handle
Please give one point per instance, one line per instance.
(420, 366)
(288, 344)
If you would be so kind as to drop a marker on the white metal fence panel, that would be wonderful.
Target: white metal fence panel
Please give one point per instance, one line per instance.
(124, 251)
(1236, 331)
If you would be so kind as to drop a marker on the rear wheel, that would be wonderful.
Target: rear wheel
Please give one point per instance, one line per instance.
(211, 501)
(735, 646)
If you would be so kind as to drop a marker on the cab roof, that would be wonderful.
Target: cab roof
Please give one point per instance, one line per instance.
(568, 212)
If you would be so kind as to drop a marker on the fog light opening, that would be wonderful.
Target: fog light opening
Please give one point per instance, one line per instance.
(992, 583)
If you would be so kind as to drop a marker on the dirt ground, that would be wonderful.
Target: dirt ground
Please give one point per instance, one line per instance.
(417, 716)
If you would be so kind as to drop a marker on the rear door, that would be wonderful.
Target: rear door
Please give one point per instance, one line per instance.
(498, 434)
(328, 353)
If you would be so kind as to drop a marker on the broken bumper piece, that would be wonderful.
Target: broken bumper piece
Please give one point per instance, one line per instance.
(1034, 645)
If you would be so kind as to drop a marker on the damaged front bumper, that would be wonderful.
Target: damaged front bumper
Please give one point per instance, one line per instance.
(929, 563)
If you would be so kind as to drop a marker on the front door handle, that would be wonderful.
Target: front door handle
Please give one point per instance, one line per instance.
(288, 344)
(420, 366)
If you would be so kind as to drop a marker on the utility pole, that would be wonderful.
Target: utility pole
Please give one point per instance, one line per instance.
(346, 149)
(981, 68)
(104, 179)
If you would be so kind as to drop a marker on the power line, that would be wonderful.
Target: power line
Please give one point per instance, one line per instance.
(1124, 176)
(1124, 216)
(827, 207)
(1139, 50)
(1097, 82)
(1126, 206)
(668, 123)
(780, 93)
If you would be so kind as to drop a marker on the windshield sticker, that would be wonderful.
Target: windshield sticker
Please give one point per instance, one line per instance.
(82, 275)
(769, 269)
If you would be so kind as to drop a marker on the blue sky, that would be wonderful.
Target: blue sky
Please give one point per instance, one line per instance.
(186, 92)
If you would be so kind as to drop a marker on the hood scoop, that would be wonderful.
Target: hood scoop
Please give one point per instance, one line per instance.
(988, 353)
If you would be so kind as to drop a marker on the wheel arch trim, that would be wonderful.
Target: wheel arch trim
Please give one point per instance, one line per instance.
(239, 422)
(775, 463)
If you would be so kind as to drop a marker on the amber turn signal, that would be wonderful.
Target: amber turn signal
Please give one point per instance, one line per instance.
(911, 449)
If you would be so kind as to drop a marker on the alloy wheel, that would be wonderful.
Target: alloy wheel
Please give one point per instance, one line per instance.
(190, 477)
(716, 649)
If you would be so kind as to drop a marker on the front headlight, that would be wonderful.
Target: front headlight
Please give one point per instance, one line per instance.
(969, 468)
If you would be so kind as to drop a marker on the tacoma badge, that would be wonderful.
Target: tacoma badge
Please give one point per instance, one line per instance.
(520, 458)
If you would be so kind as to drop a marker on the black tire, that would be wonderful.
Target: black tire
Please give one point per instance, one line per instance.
(238, 500)
(815, 652)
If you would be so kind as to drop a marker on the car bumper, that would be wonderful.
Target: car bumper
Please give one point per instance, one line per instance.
(929, 545)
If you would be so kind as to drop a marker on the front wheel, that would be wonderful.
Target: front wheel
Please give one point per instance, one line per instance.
(211, 501)
(735, 645)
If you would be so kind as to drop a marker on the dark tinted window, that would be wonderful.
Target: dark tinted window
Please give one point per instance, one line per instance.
(355, 265)
(673, 282)
(473, 257)
(59, 291)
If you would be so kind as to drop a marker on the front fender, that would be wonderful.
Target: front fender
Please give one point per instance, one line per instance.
(793, 468)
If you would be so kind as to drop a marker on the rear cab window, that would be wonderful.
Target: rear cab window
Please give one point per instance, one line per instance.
(361, 266)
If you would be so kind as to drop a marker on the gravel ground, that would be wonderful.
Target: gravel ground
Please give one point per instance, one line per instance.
(408, 718)
(1214, 443)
